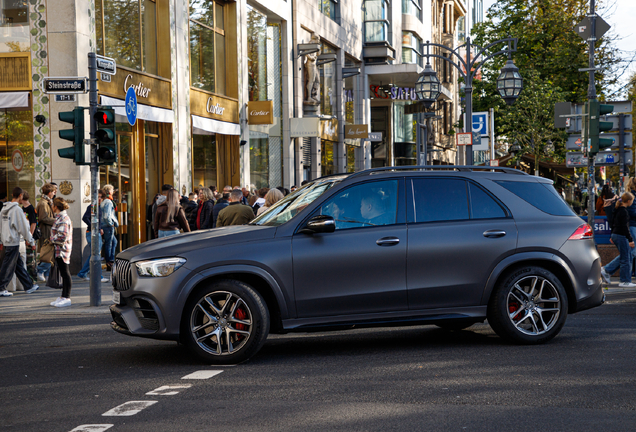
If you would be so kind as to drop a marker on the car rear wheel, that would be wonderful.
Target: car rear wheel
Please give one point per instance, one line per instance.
(529, 307)
(225, 323)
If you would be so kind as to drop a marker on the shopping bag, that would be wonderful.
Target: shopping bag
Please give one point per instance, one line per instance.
(55, 278)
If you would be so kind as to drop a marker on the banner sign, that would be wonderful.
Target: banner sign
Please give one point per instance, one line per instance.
(356, 131)
(260, 112)
(305, 127)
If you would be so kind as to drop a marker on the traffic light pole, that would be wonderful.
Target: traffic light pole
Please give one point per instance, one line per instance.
(591, 94)
(95, 262)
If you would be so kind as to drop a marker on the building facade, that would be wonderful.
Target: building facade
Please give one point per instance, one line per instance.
(231, 92)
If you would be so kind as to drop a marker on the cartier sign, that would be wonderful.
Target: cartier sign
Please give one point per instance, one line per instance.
(213, 108)
(260, 112)
(153, 91)
(204, 104)
(356, 131)
(140, 90)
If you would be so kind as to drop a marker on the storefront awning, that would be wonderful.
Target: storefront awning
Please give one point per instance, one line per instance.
(206, 126)
(14, 100)
(144, 112)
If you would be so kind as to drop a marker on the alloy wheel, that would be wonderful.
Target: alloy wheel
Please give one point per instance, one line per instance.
(533, 305)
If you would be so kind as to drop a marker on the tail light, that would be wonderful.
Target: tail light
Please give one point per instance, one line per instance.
(582, 232)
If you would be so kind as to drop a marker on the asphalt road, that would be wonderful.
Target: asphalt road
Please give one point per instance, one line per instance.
(63, 371)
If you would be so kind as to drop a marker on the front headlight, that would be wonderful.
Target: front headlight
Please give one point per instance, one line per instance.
(159, 267)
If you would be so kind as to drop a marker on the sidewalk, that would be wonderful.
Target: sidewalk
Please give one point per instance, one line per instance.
(39, 301)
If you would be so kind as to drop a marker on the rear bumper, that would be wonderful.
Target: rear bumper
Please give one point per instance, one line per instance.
(596, 299)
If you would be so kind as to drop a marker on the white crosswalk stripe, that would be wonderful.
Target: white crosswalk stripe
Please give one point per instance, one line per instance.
(92, 428)
(204, 374)
(168, 390)
(128, 408)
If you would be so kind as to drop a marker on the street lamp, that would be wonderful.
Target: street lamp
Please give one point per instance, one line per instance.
(509, 83)
(514, 150)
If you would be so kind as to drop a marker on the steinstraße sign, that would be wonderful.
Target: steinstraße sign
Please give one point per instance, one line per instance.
(353, 131)
(65, 85)
(260, 112)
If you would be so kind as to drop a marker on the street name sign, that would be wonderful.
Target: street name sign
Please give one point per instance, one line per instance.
(577, 159)
(65, 85)
(106, 65)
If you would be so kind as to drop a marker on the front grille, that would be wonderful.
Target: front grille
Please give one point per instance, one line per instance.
(145, 314)
(122, 275)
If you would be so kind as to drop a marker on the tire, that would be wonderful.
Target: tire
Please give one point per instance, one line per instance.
(228, 311)
(529, 306)
(455, 325)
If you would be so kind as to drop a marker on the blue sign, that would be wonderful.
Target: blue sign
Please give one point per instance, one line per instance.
(131, 106)
(480, 123)
(602, 231)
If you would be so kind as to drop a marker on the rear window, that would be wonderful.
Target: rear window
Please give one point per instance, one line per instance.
(541, 195)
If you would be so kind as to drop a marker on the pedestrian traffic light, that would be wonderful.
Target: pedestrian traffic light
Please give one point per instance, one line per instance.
(106, 136)
(76, 135)
(597, 142)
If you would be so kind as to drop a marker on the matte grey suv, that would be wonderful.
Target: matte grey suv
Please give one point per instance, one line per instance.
(441, 245)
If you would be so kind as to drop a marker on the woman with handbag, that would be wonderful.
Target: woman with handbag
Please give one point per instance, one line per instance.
(62, 240)
(46, 220)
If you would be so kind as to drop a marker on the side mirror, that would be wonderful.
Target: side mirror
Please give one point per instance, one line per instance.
(319, 224)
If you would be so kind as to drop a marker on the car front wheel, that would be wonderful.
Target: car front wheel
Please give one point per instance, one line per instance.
(225, 323)
(529, 307)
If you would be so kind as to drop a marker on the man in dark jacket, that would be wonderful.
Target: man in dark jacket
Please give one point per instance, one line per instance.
(191, 207)
(84, 272)
(220, 205)
(235, 213)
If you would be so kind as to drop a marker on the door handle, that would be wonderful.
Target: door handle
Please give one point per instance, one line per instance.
(387, 241)
(494, 233)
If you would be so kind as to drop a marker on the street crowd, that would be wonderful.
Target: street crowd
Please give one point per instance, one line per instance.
(36, 243)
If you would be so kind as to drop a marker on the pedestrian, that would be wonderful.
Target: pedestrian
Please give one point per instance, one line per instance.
(32, 217)
(109, 223)
(615, 263)
(84, 272)
(235, 213)
(223, 202)
(207, 213)
(13, 224)
(609, 203)
(272, 197)
(623, 240)
(162, 198)
(170, 216)
(62, 239)
(260, 201)
(245, 198)
(191, 208)
(46, 219)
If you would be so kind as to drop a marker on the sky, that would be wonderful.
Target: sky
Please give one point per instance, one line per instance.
(620, 16)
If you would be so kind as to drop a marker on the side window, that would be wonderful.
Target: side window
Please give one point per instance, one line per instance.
(365, 205)
(440, 199)
(482, 205)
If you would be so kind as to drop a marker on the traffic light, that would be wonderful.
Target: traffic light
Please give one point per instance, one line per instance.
(597, 142)
(106, 136)
(76, 135)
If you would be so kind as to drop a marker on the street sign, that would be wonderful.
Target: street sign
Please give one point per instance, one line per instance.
(65, 98)
(106, 65)
(464, 138)
(104, 77)
(480, 123)
(562, 109)
(17, 160)
(64, 85)
(584, 28)
(574, 141)
(494, 162)
(131, 106)
(375, 136)
(611, 158)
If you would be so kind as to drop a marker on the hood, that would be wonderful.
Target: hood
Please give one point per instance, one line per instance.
(161, 200)
(8, 206)
(187, 243)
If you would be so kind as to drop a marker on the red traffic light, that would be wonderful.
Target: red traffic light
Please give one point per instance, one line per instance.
(104, 117)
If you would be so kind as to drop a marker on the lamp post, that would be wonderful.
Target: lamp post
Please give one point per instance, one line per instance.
(514, 150)
(509, 82)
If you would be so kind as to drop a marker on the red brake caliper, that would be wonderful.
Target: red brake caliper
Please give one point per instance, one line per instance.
(512, 308)
(240, 314)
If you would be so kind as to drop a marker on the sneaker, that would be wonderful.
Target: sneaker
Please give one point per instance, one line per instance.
(41, 277)
(54, 302)
(67, 302)
(105, 280)
(626, 285)
(34, 288)
(605, 275)
(5, 293)
(86, 278)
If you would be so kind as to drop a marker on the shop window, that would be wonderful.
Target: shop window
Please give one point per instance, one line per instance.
(259, 167)
(126, 30)
(328, 96)
(376, 22)
(412, 7)
(326, 158)
(16, 153)
(351, 158)
(14, 26)
(207, 46)
(204, 160)
(404, 125)
(329, 8)
(411, 51)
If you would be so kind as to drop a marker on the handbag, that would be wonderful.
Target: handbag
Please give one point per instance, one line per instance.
(47, 252)
(37, 233)
(55, 278)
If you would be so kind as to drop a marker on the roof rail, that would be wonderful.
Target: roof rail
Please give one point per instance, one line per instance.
(458, 168)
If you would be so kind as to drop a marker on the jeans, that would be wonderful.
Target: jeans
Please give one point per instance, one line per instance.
(167, 233)
(44, 268)
(616, 262)
(110, 243)
(66, 277)
(624, 258)
(11, 264)
(87, 264)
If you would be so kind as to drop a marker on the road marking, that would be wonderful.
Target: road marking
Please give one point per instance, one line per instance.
(168, 390)
(92, 428)
(204, 374)
(128, 408)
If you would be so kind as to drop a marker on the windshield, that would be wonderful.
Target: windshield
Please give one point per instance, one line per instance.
(285, 209)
